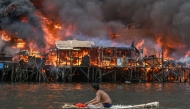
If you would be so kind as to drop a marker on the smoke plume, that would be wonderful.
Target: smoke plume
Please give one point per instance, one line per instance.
(168, 20)
(157, 22)
(12, 14)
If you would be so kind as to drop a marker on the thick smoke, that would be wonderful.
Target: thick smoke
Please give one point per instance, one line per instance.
(12, 12)
(163, 21)
(6, 49)
(169, 20)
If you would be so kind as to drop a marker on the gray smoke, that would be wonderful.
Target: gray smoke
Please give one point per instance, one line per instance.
(11, 13)
(94, 19)
(169, 19)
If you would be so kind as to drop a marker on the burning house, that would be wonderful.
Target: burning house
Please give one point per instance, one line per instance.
(90, 40)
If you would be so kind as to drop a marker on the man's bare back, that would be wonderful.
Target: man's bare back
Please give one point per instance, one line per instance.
(104, 97)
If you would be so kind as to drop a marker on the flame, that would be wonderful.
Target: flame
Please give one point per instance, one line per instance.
(158, 40)
(169, 44)
(69, 30)
(20, 43)
(140, 44)
(187, 54)
(49, 37)
(23, 19)
(112, 34)
(5, 37)
(57, 26)
(51, 34)
(145, 51)
(78, 86)
(51, 29)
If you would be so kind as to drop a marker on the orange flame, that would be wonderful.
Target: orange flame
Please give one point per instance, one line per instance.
(140, 44)
(20, 43)
(57, 26)
(4, 36)
(23, 19)
(158, 40)
(187, 54)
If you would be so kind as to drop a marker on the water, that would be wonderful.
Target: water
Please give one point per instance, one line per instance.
(53, 96)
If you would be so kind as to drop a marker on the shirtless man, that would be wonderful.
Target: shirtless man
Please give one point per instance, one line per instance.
(102, 99)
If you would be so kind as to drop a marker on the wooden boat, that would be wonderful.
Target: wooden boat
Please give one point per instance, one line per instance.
(151, 105)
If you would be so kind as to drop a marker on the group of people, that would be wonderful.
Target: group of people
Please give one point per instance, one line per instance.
(101, 100)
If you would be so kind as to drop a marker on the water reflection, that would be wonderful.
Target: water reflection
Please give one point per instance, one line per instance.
(23, 96)
(78, 87)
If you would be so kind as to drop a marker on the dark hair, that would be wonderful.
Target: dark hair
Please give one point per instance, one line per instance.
(96, 86)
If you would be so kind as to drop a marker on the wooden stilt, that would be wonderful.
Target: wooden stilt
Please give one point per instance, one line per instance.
(88, 73)
(93, 74)
(100, 75)
(145, 74)
(62, 74)
(40, 75)
(12, 73)
(71, 75)
(152, 74)
(2, 76)
(37, 73)
(21, 75)
(131, 72)
(114, 76)
(96, 74)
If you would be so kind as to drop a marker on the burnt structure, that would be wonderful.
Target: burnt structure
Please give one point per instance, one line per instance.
(83, 61)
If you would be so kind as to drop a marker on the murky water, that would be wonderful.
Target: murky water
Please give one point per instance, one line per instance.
(44, 96)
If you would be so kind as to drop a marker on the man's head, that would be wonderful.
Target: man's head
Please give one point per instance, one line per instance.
(95, 86)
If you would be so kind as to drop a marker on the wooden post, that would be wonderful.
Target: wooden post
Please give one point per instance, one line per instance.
(88, 74)
(96, 73)
(144, 74)
(102, 57)
(2, 76)
(66, 57)
(21, 74)
(189, 74)
(12, 72)
(71, 64)
(62, 74)
(114, 76)
(116, 56)
(163, 70)
(40, 75)
(181, 75)
(78, 57)
(100, 75)
(153, 71)
(58, 57)
(27, 74)
(37, 73)
(93, 74)
(71, 74)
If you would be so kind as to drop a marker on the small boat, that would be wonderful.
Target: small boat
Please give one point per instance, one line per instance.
(151, 105)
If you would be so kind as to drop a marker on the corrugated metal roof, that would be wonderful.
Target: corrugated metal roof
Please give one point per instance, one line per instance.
(70, 44)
